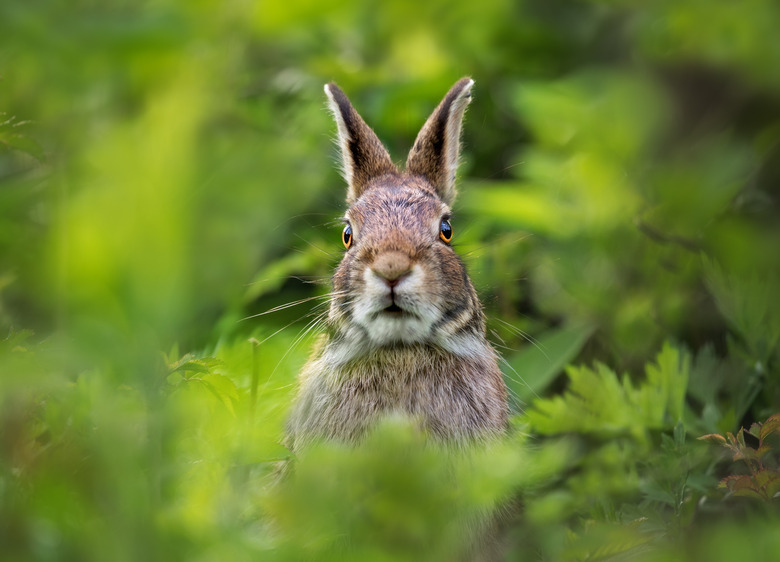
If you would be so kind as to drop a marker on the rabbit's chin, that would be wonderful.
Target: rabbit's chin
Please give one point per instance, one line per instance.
(393, 328)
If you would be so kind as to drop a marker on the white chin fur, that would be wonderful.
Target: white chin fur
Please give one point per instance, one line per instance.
(412, 326)
(386, 330)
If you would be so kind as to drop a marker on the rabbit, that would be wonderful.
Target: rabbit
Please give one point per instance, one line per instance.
(405, 329)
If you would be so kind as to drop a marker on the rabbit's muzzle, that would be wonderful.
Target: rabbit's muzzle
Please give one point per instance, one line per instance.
(392, 267)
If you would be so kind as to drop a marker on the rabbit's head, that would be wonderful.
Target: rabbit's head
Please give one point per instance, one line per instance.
(400, 283)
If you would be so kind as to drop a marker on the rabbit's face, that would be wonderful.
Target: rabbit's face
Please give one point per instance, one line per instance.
(400, 282)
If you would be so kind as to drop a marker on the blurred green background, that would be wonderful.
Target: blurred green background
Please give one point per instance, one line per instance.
(167, 173)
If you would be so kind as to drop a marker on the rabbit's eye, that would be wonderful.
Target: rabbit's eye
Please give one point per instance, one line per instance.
(445, 232)
(346, 236)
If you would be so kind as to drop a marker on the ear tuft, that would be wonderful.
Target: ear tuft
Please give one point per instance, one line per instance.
(363, 157)
(437, 148)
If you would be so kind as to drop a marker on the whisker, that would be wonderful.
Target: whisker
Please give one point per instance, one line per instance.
(299, 216)
(315, 322)
(517, 378)
(313, 280)
(527, 337)
(323, 251)
(293, 303)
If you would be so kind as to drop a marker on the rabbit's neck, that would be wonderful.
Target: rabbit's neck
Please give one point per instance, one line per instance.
(453, 397)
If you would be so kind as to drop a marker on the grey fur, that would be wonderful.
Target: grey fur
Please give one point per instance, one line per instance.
(405, 331)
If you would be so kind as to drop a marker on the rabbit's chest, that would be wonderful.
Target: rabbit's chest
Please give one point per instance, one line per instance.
(446, 402)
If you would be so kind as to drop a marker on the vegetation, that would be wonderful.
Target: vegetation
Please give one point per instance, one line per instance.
(166, 179)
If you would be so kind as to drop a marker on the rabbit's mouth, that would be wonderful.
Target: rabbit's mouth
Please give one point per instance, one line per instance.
(393, 311)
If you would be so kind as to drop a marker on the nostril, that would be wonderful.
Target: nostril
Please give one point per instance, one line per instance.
(391, 279)
(392, 267)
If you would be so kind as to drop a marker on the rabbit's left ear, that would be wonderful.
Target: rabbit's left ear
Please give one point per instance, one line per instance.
(436, 150)
(363, 156)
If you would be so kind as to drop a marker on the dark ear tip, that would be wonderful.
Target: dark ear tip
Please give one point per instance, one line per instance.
(338, 96)
(464, 83)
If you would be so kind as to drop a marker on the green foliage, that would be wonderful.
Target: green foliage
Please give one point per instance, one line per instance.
(598, 401)
(396, 497)
(166, 206)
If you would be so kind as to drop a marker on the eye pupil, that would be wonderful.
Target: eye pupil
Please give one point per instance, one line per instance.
(446, 231)
(346, 236)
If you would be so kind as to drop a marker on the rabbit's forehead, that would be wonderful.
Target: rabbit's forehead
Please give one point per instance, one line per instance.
(397, 207)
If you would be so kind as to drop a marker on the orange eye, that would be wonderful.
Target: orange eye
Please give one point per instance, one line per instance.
(445, 232)
(346, 236)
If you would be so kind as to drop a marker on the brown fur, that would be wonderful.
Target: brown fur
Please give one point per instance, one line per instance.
(406, 332)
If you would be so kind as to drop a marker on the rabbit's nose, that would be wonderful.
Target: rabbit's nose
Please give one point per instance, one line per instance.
(392, 267)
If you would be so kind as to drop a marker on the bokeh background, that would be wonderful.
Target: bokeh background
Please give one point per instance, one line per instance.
(167, 175)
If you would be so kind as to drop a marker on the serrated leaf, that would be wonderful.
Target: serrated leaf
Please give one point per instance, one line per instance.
(603, 541)
(750, 307)
(772, 485)
(770, 426)
(708, 376)
(189, 363)
(768, 481)
(736, 482)
(669, 375)
(598, 401)
(747, 493)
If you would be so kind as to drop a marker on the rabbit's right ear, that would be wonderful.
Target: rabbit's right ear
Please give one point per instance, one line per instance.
(363, 157)
(435, 152)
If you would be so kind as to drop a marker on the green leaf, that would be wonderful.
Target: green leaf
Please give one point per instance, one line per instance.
(273, 276)
(750, 306)
(223, 388)
(598, 401)
(669, 375)
(535, 367)
(189, 363)
(15, 340)
(679, 434)
(22, 144)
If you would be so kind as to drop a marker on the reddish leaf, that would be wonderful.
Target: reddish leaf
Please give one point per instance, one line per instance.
(748, 493)
(769, 426)
(761, 451)
(714, 438)
(736, 482)
(741, 485)
(768, 481)
(773, 488)
(744, 453)
(741, 437)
